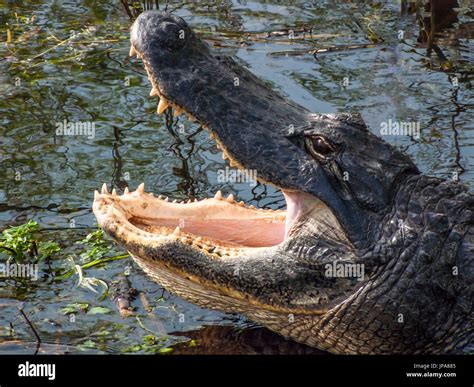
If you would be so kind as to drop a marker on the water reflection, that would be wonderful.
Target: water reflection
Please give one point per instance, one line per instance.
(228, 340)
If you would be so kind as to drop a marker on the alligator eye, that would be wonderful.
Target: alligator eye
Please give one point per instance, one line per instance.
(318, 146)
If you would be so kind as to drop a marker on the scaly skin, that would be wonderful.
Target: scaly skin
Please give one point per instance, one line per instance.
(352, 200)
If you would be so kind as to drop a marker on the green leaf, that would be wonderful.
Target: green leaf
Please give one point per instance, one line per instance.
(133, 348)
(82, 306)
(99, 310)
(89, 344)
(75, 308)
(47, 249)
(96, 246)
(150, 339)
(68, 310)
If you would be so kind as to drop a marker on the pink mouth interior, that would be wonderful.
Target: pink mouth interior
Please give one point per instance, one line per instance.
(227, 224)
(248, 233)
(294, 209)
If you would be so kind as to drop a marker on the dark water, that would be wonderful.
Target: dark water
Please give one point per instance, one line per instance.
(68, 60)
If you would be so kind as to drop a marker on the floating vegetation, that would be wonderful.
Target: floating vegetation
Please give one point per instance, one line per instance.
(151, 345)
(21, 245)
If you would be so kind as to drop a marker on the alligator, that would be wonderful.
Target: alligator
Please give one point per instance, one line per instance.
(369, 257)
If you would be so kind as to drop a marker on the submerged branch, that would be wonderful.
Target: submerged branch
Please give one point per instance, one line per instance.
(35, 332)
(124, 296)
(325, 50)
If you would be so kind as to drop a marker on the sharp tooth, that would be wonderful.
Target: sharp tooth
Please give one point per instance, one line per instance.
(230, 198)
(162, 106)
(177, 231)
(224, 156)
(212, 135)
(126, 191)
(252, 207)
(141, 188)
(114, 192)
(154, 92)
(196, 200)
(175, 200)
(166, 199)
(189, 201)
(160, 197)
(104, 189)
(177, 111)
(132, 52)
(218, 195)
(96, 195)
(241, 204)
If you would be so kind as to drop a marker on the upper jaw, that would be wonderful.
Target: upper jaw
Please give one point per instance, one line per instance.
(197, 82)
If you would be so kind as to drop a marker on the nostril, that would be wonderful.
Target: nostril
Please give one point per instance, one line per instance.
(173, 35)
(169, 27)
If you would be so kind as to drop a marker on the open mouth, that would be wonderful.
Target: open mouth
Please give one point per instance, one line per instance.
(218, 224)
(211, 224)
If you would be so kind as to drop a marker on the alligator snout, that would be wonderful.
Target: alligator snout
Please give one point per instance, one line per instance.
(155, 33)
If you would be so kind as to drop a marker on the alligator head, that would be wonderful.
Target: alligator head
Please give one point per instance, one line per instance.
(314, 272)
